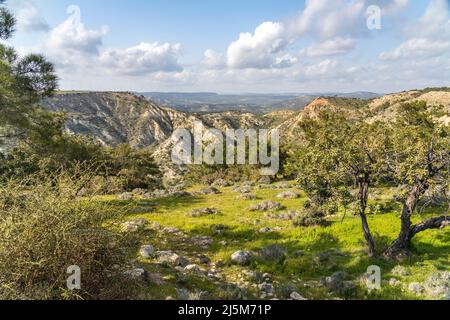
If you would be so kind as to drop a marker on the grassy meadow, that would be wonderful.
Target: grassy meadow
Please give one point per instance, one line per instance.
(312, 253)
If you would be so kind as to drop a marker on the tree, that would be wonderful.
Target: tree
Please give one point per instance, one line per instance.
(338, 154)
(420, 162)
(24, 81)
(135, 168)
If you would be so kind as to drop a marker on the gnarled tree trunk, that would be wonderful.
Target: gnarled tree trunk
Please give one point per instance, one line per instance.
(402, 245)
(363, 196)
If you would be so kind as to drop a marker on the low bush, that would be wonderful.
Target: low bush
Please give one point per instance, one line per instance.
(45, 228)
(310, 217)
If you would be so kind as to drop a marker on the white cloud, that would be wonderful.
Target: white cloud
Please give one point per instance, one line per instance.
(213, 59)
(72, 46)
(333, 24)
(435, 23)
(28, 16)
(320, 69)
(143, 59)
(258, 50)
(330, 47)
(329, 18)
(417, 47)
(429, 36)
(70, 43)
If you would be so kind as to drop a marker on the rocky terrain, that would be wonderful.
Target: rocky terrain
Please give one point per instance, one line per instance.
(119, 117)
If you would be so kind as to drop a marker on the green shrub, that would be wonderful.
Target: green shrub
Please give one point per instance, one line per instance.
(310, 217)
(45, 228)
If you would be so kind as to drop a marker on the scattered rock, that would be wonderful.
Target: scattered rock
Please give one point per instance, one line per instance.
(267, 206)
(203, 212)
(221, 183)
(296, 296)
(202, 241)
(337, 284)
(139, 192)
(159, 194)
(135, 274)
(265, 230)
(204, 259)
(156, 279)
(272, 253)
(266, 288)
(171, 230)
(248, 196)
(180, 194)
(126, 196)
(265, 180)
(415, 288)
(400, 271)
(282, 185)
(242, 257)
(193, 268)
(287, 216)
(288, 195)
(147, 251)
(267, 277)
(219, 229)
(134, 225)
(394, 282)
(243, 189)
(438, 284)
(171, 258)
(209, 191)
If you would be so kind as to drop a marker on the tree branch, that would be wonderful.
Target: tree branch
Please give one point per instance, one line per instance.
(434, 223)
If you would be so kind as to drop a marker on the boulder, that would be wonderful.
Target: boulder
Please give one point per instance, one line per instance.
(296, 296)
(135, 274)
(147, 251)
(134, 225)
(221, 183)
(139, 192)
(267, 206)
(415, 288)
(209, 191)
(288, 195)
(266, 288)
(265, 180)
(202, 212)
(438, 284)
(400, 271)
(242, 258)
(126, 196)
(193, 268)
(248, 196)
(171, 258)
(336, 284)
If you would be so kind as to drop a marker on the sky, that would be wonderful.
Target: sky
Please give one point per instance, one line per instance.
(239, 46)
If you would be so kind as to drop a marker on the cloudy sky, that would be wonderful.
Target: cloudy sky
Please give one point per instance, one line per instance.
(237, 46)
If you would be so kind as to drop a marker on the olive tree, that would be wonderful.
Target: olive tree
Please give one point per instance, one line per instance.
(338, 155)
(419, 162)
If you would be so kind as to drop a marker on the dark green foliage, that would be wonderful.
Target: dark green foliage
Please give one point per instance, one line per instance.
(311, 216)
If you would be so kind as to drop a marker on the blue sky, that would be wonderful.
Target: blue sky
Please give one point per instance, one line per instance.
(239, 46)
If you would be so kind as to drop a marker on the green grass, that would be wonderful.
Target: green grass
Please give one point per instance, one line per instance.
(431, 249)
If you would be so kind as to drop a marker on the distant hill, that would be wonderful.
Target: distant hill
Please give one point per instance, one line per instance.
(256, 103)
(122, 117)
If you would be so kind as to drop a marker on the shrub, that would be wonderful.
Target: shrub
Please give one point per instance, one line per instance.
(310, 217)
(45, 228)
